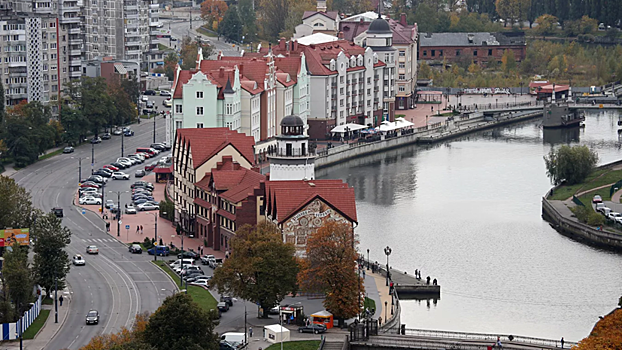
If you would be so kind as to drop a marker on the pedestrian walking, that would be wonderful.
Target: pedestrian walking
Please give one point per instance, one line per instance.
(498, 344)
(363, 273)
(380, 320)
(141, 230)
(562, 341)
(137, 229)
(60, 299)
(250, 332)
(428, 279)
(107, 226)
(434, 282)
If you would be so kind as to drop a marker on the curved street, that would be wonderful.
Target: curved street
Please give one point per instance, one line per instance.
(116, 283)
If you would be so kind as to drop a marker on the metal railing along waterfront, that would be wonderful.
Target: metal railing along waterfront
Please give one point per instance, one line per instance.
(486, 337)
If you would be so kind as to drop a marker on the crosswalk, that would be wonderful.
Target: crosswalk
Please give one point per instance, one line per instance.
(99, 240)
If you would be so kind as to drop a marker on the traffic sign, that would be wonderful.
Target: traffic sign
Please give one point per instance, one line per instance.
(83, 211)
(127, 227)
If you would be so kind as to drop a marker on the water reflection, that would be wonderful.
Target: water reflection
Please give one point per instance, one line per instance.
(468, 212)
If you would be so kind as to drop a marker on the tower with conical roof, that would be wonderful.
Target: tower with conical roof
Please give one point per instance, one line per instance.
(379, 38)
(291, 159)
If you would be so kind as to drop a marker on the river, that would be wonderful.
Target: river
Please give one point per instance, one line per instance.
(468, 212)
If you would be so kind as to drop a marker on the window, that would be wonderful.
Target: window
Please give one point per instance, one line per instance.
(341, 79)
(341, 102)
(474, 52)
(425, 53)
(200, 125)
(369, 80)
(229, 108)
(402, 65)
(199, 110)
(368, 92)
(401, 88)
(457, 52)
(402, 53)
(178, 108)
(341, 91)
(178, 124)
(199, 94)
(433, 53)
(401, 77)
(440, 53)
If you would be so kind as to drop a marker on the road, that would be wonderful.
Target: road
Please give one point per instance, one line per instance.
(116, 283)
(181, 28)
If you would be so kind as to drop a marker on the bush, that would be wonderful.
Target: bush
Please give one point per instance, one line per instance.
(582, 213)
(147, 243)
(595, 219)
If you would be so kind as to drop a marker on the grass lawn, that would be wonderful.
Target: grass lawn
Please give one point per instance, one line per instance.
(596, 179)
(369, 304)
(47, 301)
(163, 47)
(207, 32)
(201, 296)
(36, 325)
(296, 345)
(51, 154)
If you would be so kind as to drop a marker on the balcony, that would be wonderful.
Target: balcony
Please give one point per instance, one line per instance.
(130, 8)
(154, 6)
(75, 62)
(75, 31)
(132, 34)
(75, 52)
(75, 74)
(75, 41)
(131, 25)
(68, 20)
(133, 52)
(282, 153)
(18, 64)
(154, 24)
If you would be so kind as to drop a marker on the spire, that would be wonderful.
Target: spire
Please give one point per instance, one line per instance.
(228, 89)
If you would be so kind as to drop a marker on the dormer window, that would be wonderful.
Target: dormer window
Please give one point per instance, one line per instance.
(318, 24)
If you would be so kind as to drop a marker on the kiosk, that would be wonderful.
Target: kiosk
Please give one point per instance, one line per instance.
(292, 314)
(276, 333)
(323, 317)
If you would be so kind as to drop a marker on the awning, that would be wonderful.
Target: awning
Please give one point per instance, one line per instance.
(349, 127)
(403, 122)
(120, 68)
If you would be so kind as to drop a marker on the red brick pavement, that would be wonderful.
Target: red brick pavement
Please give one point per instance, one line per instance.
(166, 230)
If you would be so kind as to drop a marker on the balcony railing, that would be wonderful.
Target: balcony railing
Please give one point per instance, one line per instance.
(275, 152)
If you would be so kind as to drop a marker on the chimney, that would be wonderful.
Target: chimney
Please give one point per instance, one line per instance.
(294, 45)
(221, 72)
(362, 20)
(282, 43)
(403, 19)
(321, 6)
(241, 68)
(470, 37)
(340, 35)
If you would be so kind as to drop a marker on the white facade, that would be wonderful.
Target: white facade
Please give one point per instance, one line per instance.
(292, 160)
(251, 113)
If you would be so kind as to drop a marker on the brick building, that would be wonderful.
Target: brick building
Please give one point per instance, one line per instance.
(477, 47)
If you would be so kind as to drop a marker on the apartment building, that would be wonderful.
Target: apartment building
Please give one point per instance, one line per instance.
(404, 41)
(31, 65)
(247, 94)
(345, 80)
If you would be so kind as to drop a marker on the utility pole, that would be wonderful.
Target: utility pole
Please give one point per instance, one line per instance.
(55, 298)
(190, 19)
(123, 137)
(155, 116)
(92, 157)
(118, 210)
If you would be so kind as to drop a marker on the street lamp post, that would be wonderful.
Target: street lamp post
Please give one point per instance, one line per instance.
(368, 259)
(118, 210)
(92, 157)
(123, 137)
(55, 298)
(155, 255)
(154, 125)
(80, 167)
(385, 310)
(387, 251)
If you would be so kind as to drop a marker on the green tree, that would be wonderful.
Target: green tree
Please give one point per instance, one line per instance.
(15, 205)
(231, 25)
(570, 164)
(50, 260)
(249, 19)
(546, 24)
(131, 87)
(180, 324)
(74, 123)
(273, 15)
(508, 62)
(18, 277)
(329, 268)
(261, 269)
(27, 132)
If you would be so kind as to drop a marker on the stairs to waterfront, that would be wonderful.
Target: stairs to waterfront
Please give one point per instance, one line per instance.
(333, 345)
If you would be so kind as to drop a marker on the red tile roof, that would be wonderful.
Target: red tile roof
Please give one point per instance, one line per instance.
(245, 188)
(205, 143)
(226, 214)
(283, 77)
(163, 169)
(401, 34)
(204, 182)
(286, 198)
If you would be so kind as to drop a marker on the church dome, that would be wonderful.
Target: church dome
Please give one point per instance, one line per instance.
(292, 120)
(379, 26)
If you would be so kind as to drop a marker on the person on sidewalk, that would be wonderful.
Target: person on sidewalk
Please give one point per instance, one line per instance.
(141, 230)
(60, 299)
(250, 332)
(137, 229)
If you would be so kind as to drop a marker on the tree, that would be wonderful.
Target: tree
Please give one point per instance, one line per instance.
(18, 277)
(570, 164)
(131, 87)
(296, 11)
(189, 52)
(180, 324)
(15, 204)
(130, 339)
(249, 19)
(212, 12)
(231, 25)
(546, 24)
(607, 334)
(27, 132)
(329, 268)
(508, 62)
(126, 111)
(51, 259)
(261, 268)
(273, 15)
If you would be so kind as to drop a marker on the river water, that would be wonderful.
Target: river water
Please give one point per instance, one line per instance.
(468, 212)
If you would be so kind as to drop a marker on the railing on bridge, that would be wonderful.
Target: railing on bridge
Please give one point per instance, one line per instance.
(486, 337)
(488, 106)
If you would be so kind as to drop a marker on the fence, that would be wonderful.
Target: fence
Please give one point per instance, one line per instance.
(492, 338)
(10, 330)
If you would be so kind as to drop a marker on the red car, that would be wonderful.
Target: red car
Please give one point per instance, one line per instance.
(87, 184)
(111, 167)
(151, 166)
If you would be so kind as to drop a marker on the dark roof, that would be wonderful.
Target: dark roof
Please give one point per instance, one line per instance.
(477, 39)
(379, 26)
(292, 120)
(228, 89)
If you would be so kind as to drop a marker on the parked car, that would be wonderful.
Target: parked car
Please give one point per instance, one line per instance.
(223, 307)
(143, 184)
(119, 175)
(139, 173)
(151, 166)
(597, 199)
(130, 209)
(96, 178)
(103, 173)
(198, 277)
(78, 260)
(150, 93)
(160, 250)
(90, 201)
(167, 103)
(92, 249)
(165, 93)
(215, 263)
(144, 98)
(613, 216)
(227, 299)
(109, 203)
(188, 255)
(117, 132)
(106, 136)
(89, 184)
(118, 165)
(96, 140)
(92, 317)
(136, 249)
(177, 263)
(128, 133)
(312, 328)
(201, 282)
(206, 258)
(110, 167)
(58, 212)
(68, 150)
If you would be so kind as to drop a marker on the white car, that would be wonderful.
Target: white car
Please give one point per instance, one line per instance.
(90, 201)
(165, 93)
(130, 209)
(78, 260)
(145, 98)
(148, 206)
(119, 175)
(109, 203)
(177, 263)
(201, 282)
(92, 249)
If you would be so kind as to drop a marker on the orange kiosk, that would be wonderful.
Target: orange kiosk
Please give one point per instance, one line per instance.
(323, 317)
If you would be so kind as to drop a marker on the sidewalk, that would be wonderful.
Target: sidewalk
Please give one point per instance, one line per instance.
(49, 329)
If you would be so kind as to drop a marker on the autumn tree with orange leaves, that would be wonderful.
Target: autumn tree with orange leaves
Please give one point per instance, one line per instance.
(606, 335)
(212, 12)
(330, 268)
